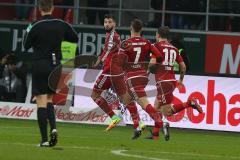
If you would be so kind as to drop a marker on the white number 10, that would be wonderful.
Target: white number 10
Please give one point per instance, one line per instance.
(169, 60)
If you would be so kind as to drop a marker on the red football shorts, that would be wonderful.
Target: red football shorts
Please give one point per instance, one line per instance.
(102, 83)
(118, 84)
(165, 91)
(136, 86)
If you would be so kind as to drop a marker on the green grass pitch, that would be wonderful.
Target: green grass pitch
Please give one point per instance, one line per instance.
(18, 139)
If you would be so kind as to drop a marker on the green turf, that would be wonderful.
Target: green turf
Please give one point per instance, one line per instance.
(18, 141)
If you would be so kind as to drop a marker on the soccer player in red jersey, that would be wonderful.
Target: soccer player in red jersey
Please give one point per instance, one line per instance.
(103, 82)
(129, 73)
(165, 77)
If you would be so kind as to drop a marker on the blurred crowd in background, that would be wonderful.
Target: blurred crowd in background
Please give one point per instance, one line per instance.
(187, 14)
(13, 74)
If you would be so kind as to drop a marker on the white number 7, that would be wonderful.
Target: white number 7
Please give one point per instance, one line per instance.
(138, 50)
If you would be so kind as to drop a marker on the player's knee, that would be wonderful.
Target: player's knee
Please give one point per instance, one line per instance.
(49, 98)
(125, 98)
(166, 110)
(142, 103)
(128, 101)
(168, 113)
(94, 95)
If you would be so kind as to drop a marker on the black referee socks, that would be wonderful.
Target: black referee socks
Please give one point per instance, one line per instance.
(42, 123)
(51, 116)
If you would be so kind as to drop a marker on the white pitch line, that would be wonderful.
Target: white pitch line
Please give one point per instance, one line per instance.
(194, 154)
(15, 127)
(63, 136)
(120, 153)
(69, 147)
(115, 152)
(107, 149)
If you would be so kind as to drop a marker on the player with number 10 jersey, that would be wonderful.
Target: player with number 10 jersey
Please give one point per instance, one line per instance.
(165, 76)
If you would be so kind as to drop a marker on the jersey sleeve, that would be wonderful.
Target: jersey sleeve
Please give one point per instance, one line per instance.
(155, 52)
(113, 42)
(122, 54)
(70, 34)
(125, 46)
(28, 37)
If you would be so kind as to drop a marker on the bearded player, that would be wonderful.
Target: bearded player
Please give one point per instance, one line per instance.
(103, 82)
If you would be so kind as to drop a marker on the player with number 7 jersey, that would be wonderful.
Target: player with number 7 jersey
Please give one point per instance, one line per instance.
(136, 52)
(132, 62)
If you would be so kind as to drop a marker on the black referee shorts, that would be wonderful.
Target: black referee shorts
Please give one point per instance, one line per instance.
(45, 77)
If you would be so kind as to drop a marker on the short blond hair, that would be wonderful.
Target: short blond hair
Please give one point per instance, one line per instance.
(45, 5)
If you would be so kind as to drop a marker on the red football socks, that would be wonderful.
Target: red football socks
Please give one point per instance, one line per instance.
(179, 107)
(132, 108)
(156, 117)
(102, 103)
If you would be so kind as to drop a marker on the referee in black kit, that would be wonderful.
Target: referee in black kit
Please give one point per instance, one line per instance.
(45, 37)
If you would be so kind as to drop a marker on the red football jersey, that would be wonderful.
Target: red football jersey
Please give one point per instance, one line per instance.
(111, 47)
(165, 70)
(136, 53)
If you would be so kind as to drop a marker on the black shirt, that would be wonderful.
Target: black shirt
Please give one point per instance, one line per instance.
(45, 37)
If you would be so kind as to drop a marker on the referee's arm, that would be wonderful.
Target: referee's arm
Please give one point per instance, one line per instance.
(70, 34)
